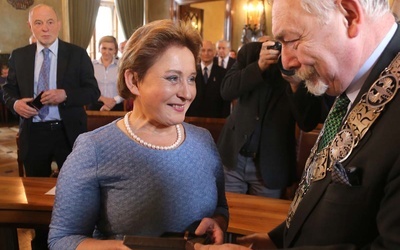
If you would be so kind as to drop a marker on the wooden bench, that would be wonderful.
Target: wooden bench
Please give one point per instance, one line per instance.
(214, 125)
(96, 119)
(100, 118)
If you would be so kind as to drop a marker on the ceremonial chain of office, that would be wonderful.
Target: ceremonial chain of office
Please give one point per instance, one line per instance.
(356, 125)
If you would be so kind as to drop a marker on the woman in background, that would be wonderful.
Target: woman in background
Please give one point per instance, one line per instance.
(150, 172)
(106, 72)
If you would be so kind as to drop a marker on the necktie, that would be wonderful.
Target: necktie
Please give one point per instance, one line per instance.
(44, 78)
(334, 120)
(205, 74)
(222, 63)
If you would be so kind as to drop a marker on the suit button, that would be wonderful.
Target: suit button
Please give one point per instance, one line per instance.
(257, 118)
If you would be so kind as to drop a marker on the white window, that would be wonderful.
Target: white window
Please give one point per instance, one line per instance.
(107, 24)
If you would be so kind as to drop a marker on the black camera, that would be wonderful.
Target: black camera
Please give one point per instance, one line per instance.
(276, 46)
(284, 71)
(36, 103)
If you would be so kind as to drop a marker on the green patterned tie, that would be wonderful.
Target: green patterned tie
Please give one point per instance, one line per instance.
(334, 120)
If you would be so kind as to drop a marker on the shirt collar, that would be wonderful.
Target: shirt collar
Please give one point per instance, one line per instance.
(359, 79)
(208, 66)
(53, 47)
(226, 58)
(98, 61)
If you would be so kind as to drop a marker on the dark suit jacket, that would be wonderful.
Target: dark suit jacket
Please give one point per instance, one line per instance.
(75, 75)
(208, 101)
(266, 97)
(231, 61)
(365, 215)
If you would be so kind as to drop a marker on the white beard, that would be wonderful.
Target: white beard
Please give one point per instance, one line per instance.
(313, 84)
(317, 89)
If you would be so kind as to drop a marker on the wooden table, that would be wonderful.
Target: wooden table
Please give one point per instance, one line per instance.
(254, 214)
(24, 204)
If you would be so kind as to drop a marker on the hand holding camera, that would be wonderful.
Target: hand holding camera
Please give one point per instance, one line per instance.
(274, 53)
(269, 54)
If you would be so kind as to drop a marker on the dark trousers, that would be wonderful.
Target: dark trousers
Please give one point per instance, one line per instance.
(47, 143)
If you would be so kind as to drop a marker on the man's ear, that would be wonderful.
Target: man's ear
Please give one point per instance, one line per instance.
(353, 15)
(131, 80)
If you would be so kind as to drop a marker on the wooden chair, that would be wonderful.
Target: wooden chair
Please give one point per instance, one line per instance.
(21, 170)
(3, 112)
(306, 141)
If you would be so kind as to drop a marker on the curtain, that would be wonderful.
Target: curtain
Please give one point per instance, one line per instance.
(130, 14)
(82, 20)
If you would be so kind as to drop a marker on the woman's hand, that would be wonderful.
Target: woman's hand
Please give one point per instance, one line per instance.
(109, 103)
(198, 246)
(267, 56)
(254, 241)
(211, 227)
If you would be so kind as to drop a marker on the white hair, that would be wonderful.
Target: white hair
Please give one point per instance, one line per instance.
(322, 8)
(228, 44)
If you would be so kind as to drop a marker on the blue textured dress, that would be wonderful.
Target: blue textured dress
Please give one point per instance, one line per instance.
(111, 186)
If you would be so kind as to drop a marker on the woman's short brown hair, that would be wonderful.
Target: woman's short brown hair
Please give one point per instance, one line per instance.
(148, 43)
(109, 39)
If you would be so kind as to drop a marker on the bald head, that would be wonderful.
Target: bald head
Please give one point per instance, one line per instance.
(44, 24)
(207, 52)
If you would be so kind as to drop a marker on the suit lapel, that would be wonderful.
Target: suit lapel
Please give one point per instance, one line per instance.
(30, 68)
(213, 73)
(61, 63)
(305, 207)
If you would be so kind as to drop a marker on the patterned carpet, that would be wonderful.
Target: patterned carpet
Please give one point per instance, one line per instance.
(8, 151)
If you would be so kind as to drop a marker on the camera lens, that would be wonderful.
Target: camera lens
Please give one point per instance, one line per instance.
(276, 46)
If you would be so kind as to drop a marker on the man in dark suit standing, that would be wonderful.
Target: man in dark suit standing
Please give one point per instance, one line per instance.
(257, 144)
(208, 101)
(65, 74)
(350, 191)
(223, 59)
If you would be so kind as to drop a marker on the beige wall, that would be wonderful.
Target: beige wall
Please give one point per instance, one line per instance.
(14, 29)
(214, 18)
(158, 10)
(239, 19)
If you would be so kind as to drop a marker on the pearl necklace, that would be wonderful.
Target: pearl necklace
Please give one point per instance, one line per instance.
(149, 145)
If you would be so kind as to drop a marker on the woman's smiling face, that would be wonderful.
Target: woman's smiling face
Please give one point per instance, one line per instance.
(168, 88)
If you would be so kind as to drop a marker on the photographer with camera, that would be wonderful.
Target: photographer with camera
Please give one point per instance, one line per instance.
(257, 143)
